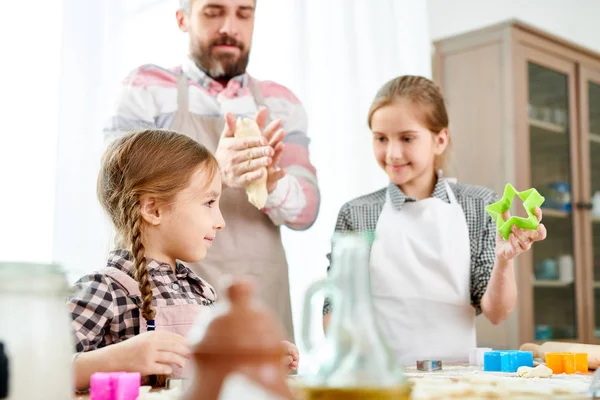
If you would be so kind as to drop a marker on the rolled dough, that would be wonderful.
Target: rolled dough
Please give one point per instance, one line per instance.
(257, 190)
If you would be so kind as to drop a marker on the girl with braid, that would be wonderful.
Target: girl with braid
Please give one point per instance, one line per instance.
(161, 191)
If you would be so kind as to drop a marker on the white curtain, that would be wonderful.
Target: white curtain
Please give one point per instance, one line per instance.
(30, 41)
(333, 54)
(92, 32)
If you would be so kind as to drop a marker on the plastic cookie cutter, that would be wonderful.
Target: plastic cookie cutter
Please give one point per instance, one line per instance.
(115, 385)
(476, 355)
(594, 390)
(531, 199)
(429, 365)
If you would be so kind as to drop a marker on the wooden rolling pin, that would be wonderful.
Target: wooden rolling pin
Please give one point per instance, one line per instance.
(539, 351)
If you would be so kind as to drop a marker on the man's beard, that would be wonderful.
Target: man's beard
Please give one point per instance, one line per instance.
(222, 66)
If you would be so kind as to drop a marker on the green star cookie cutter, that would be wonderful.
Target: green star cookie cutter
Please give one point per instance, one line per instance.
(531, 199)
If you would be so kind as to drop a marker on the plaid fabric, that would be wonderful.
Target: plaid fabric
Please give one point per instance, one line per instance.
(102, 312)
(361, 214)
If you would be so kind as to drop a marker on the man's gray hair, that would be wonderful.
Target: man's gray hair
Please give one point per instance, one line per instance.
(185, 5)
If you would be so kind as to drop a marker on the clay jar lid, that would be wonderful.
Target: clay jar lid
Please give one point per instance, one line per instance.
(241, 325)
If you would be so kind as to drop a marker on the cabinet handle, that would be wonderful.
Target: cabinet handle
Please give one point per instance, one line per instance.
(583, 205)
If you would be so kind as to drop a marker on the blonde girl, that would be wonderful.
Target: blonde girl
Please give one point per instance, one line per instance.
(437, 260)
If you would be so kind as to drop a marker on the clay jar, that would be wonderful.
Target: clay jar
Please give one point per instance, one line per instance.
(242, 339)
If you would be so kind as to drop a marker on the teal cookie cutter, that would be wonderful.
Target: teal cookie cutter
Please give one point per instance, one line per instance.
(531, 199)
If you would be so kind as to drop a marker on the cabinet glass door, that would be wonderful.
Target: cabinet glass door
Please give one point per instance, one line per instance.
(554, 291)
(590, 90)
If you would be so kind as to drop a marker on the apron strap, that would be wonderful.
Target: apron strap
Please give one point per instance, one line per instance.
(130, 285)
(259, 99)
(182, 92)
(450, 193)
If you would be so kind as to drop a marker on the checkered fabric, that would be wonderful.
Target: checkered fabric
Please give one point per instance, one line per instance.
(361, 214)
(102, 312)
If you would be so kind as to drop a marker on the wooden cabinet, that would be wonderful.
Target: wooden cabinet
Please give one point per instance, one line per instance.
(525, 108)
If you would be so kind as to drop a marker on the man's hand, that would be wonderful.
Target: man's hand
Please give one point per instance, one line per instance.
(274, 135)
(242, 160)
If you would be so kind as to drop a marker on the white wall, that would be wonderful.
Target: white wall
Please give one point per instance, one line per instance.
(573, 20)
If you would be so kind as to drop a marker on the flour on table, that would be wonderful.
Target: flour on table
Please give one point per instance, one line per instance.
(473, 383)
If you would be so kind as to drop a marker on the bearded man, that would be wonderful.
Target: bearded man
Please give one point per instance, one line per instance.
(202, 98)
